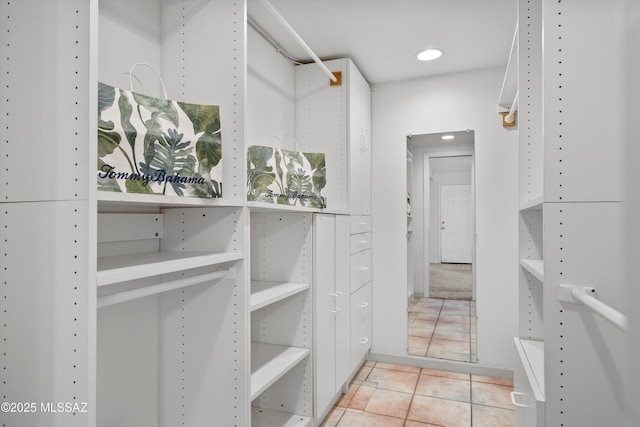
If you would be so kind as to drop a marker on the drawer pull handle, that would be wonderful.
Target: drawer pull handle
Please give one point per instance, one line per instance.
(335, 304)
(513, 399)
(364, 242)
(364, 304)
(364, 223)
(364, 268)
(364, 340)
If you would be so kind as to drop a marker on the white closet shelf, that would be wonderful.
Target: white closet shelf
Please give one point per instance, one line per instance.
(120, 268)
(535, 267)
(531, 354)
(107, 198)
(264, 293)
(276, 207)
(532, 205)
(269, 362)
(267, 418)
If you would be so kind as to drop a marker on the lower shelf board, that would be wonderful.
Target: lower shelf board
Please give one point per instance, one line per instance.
(268, 418)
(531, 354)
(269, 362)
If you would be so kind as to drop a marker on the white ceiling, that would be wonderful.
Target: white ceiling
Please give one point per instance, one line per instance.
(383, 36)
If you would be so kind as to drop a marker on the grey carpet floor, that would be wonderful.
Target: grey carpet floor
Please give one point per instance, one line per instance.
(450, 281)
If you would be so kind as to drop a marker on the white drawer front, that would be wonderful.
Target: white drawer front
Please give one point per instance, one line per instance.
(360, 323)
(360, 269)
(360, 224)
(360, 242)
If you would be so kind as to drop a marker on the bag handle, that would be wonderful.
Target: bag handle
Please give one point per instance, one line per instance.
(131, 75)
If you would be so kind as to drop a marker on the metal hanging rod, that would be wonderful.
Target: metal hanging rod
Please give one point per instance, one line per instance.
(295, 35)
(509, 118)
(585, 295)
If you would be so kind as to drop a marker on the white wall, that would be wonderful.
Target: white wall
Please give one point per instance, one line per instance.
(441, 104)
(270, 104)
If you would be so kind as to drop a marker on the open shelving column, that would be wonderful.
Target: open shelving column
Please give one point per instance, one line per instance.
(281, 318)
(571, 212)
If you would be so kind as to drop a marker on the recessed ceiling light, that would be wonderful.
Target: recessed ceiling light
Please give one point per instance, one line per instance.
(429, 54)
(447, 137)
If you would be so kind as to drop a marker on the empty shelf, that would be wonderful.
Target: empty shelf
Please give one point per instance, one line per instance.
(120, 268)
(535, 267)
(268, 418)
(265, 293)
(269, 362)
(532, 356)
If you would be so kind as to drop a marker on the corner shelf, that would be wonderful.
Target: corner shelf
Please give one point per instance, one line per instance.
(264, 293)
(268, 418)
(120, 268)
(535, 267)
(269, 362)
(531, 354)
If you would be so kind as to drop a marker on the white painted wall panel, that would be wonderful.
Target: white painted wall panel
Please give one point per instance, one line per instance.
(439, 104)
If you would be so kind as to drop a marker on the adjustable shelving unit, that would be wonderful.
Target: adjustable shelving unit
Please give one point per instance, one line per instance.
(281, 318)
(570, 217)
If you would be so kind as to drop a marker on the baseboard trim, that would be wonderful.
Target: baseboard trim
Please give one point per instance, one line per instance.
(441, 364)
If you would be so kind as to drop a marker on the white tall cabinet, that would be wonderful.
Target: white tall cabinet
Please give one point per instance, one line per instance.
(569, 360)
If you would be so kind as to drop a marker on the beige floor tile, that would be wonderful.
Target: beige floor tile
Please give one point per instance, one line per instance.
(418, 342)
(444, 334)
(390, 403)
(428, 315)
(492, 380)
(440, 411)
(486, 416)
(394, 380)
(491, 395)
(445, 374)
(450, 346)
(413, 315)
(417, 331)
(345, 399)
(456, 303)
(363, 372)
(417, 351)
(369, 363)
(331, 420)
(422, 323)
(361, 397)
(444, 388)
(365, 419)
(410, 423)
(452, 327)
(395, 367)
(448, 318)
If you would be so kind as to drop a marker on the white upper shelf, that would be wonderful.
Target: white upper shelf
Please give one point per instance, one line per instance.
(120, 268)
(264, 293)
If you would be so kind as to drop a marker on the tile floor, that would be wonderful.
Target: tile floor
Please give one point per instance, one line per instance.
(388, 395)
(443, 328)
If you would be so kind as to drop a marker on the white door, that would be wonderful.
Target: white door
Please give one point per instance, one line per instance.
(455, 223)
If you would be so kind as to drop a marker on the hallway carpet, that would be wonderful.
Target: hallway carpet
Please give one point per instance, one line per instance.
(450, 281)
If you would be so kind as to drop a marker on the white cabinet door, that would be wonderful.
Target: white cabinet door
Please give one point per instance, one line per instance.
(326, 307)
(360, 324)
(342, 287)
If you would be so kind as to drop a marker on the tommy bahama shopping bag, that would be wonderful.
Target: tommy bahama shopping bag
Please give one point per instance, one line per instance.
(286, 177)
(149, 145)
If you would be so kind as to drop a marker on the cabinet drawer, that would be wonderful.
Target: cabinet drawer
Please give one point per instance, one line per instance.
(360, 269)
(360, 324)
(360, 224)
(360, 242)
